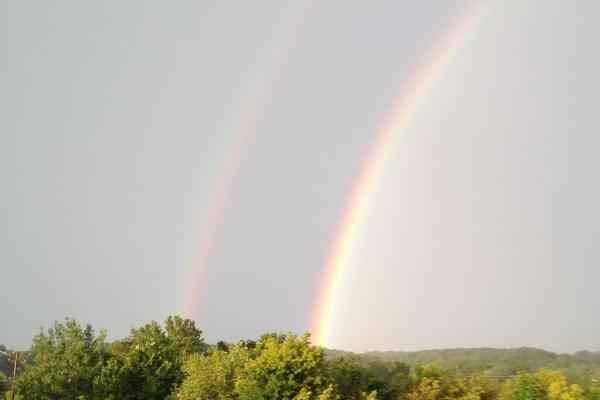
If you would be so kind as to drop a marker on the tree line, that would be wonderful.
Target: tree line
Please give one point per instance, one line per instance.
(172, 361)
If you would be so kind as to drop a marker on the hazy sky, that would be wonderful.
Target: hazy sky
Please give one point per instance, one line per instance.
(116, 117)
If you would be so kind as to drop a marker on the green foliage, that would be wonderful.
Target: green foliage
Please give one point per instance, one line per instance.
(65, 361)
(6, 365)
(184, 337)
(284, 367)
(275, 367)
(148, 364)
(349, 376)
(4, 383)
(356, 378)
(542, 385)
(434, 382)
(213, 376)
(525, 387)
(370, 396)
(427, 389)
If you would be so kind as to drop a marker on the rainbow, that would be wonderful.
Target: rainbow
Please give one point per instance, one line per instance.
(242, 134)
(395, 123)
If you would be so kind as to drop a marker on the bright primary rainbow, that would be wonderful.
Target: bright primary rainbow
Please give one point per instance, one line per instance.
(241, 136)
(396, 121)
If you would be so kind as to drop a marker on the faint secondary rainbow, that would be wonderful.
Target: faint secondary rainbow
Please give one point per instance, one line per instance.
(411, 96)
(242, 134)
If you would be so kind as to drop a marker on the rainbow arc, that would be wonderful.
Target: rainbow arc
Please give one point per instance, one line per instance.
(241, 137)
(411, 96)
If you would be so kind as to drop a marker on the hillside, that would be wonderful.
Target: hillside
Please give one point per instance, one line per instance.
(492, 361)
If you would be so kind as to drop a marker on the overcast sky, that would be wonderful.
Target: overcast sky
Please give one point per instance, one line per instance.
(116, 117)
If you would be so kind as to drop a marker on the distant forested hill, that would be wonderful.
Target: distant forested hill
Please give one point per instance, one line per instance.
(492, 361)
(498, 362)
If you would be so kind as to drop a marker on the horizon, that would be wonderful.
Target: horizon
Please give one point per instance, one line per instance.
(518, 347)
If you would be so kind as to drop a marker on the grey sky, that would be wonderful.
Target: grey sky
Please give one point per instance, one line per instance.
(484, 231)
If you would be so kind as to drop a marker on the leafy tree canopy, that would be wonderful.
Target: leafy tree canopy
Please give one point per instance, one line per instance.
(65, 360)
(148, 364)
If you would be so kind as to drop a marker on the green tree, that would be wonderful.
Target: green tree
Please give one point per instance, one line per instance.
(436, 383)
(543, 385)
(355, 378)
(64, 362)
(184, 338)
(556, 387)
(5, 364)
(4, 383)
(390, 379)
(478, 384)
(213, 376)
(275, 367)
(149, 363)
(524, 387)
(349, 376)
(427, 389)
(284, 367)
